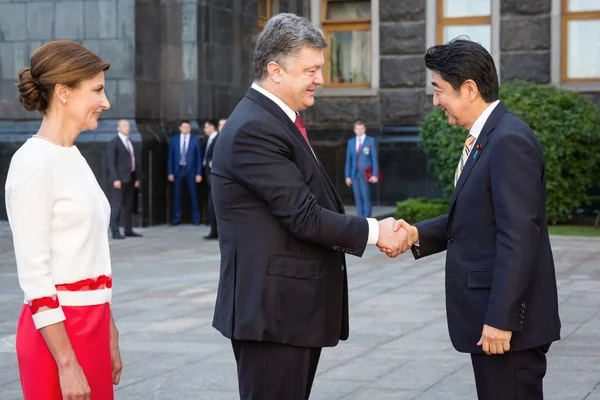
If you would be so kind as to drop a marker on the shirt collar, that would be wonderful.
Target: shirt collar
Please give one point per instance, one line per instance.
(288, 111)
(123, 137)
(212, 135)
(480, 122)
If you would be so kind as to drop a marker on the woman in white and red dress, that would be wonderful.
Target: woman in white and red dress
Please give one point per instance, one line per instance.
(67, 342)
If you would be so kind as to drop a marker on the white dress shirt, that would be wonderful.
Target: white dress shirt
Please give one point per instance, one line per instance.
(373, 224)
(482, 119)
(129, 147)
(208, 143)
(59, 217)
(359, 141)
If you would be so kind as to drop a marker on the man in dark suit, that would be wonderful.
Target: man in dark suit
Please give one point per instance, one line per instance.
(501, 294)
(184, 167)
(212, 135)
(124, 174)
(283, 289)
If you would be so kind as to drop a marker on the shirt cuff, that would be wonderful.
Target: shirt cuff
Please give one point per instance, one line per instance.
(373, 231)
(48, 317)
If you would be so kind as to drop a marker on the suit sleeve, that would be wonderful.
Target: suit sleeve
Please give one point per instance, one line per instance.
(432, 237)
(348, 155)
(170, 159)
(516, 179)
(111, 156)
(199, 155)
(375, 159)
(263, 163)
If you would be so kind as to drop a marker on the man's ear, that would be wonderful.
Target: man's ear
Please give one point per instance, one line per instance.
(274, 71)
(471, 88)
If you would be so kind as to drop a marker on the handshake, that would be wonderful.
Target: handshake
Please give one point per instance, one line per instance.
(396, 237)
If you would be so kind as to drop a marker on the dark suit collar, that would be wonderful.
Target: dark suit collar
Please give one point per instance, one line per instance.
(478, 148)
(278, 113)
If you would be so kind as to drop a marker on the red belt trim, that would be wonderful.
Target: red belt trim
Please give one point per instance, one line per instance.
(101, 282)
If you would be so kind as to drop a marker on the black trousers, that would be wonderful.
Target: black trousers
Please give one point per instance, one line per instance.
(272, 371)
(212, 218)
(511, 376)
(121, 205)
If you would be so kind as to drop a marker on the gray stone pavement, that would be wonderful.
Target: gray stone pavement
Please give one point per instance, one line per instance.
(165, 288)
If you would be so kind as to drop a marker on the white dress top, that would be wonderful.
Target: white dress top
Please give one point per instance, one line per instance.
(59, 217)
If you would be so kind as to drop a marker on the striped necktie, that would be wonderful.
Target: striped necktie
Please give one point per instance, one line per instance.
(463, 157)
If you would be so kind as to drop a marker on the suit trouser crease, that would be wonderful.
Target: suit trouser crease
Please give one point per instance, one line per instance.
(362, 194)
(122, 201)
(272, 371)
(211, 213)
(511, 376)
(188, 178)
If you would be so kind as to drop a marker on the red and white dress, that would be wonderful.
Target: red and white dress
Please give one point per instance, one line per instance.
(59, 219)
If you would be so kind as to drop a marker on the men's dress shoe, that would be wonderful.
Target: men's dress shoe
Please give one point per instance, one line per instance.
(174, 223)
(196, 223)
(211, 236)
(117, 235)
(132, 234)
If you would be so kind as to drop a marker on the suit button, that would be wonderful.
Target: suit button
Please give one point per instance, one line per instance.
(343, 267)
(450, 240)
(336, 248)
(523, 306)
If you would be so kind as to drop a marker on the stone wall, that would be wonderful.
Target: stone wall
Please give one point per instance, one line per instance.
(525, 40)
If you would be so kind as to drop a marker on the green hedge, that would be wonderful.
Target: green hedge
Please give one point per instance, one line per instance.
(419, 209)
(568, 128)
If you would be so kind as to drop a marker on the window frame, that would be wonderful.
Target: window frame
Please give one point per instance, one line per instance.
(442, 21)
(435, 9)
(317, 15)
(565, 17)
(341, 25)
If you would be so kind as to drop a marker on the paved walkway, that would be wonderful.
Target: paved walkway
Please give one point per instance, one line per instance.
(165, 287)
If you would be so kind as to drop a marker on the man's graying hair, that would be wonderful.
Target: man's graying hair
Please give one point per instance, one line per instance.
(282, 38)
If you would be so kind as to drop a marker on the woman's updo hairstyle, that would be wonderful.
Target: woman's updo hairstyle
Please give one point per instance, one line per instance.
(58, 62)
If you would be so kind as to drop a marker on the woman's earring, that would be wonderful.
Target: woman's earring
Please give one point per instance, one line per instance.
(64, 101)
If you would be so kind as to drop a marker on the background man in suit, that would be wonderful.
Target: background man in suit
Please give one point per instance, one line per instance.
(185, 167)
(361, 161)
(222, 123)
(124, 173)
(501, 295)
(283, 289)
(212, 134)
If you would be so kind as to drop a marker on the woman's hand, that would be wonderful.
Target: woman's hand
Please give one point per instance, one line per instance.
(115, 355)
(73, 383)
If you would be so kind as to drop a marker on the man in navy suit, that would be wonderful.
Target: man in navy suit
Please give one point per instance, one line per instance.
(501, 294)
(362, 168)
(185, 167)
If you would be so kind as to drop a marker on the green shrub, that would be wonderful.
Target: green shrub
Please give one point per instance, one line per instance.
(567, 126)
(419, 209)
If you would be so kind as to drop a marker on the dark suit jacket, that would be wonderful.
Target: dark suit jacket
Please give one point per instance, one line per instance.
(282, 233)
(193, 158)
(119, 162)
(499, 265)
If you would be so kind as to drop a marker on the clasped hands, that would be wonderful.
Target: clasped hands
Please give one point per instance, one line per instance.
(396, 237)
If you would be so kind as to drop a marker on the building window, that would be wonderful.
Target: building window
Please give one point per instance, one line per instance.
(580, 55)
(465, 18)
(347, 28)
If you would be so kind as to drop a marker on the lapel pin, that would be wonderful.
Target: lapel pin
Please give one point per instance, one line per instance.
(479, 146)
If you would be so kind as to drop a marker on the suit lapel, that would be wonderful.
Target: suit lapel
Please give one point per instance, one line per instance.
(478, 148)
(277, 112)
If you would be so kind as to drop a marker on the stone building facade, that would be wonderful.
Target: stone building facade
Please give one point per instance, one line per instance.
(192, 59)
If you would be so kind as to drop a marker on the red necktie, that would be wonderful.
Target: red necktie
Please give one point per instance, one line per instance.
(129, 150)
(300, 125)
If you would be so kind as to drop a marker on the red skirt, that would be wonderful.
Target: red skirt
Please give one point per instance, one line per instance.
(88, 328)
